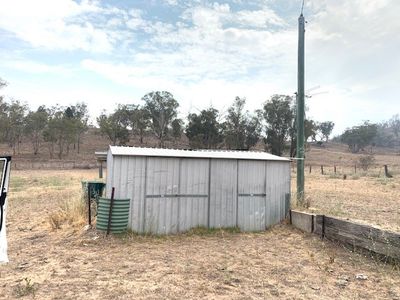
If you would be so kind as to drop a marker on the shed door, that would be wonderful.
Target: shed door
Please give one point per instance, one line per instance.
(223, 193)
(251, 195)
(161, 201)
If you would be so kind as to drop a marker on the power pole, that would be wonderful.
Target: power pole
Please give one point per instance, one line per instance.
(300, 112)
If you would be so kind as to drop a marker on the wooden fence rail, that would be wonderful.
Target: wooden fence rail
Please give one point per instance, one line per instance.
(373, 239)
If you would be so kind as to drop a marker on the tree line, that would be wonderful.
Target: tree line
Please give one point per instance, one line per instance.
(367, 134)
(274, 124)
(60, 128)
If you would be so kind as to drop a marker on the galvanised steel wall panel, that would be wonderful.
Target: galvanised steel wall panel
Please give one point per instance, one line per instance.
(176, 195)
(251, 216)
(127, 177)
(251, 177)
(193, 211)
(278, 189)
(223, 193)
(252, 195)
(162, 180)
(161, 215)
(162, 176)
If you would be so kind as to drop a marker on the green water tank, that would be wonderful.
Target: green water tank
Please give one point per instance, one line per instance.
(119, 216)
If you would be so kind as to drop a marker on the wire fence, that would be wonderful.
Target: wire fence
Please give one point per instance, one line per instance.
(387, 170)
(53, 165)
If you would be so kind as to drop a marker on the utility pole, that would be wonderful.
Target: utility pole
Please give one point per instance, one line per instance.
(300, 112)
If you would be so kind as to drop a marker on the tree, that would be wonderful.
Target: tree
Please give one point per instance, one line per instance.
(15, 118)
(60, 130)
(326, 129)
(358, 137)
(394, 124)
(279, 116)
(161, 107)
(35, 124)
(203, 130)
(2, 84)
(241, 130)
(79, 117)
(114, 126)
(235, 125)
(177, 129)
(139, 120)
(253, 130)
(310, 130)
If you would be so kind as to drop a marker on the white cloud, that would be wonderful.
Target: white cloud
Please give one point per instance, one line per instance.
(216, 51)
(58, 24)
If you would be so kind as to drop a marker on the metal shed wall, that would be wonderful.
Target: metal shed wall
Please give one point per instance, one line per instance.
(170, 195)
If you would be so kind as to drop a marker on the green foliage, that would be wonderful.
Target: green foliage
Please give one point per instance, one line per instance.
(25, 289)
(358, 137)
(139, 120)
(177, 128)
(310, 130)
(204, 130)
(366, 161)
(325, 128)
(253, 128)
(279, 116)
(161, 107)
(59, 130)
(12, 118)
(394, 124)
(114, 125)
(241, 131)
(35, 124)
(79, 117)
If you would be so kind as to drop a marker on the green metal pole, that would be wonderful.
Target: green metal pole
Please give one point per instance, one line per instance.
(300, 112)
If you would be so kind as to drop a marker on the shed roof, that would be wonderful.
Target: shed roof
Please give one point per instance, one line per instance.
(159, 152)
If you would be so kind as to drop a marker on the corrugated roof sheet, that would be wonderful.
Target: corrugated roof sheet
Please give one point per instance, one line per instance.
(159, 152)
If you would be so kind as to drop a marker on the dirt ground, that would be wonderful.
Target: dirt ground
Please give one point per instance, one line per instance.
(70, 263)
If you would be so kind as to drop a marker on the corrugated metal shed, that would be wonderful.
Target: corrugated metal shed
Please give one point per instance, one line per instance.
(175, 190)
(139, 151)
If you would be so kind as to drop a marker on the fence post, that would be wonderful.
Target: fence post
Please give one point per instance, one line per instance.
(387, 174)
(355, 168)
(334, 168)
(322, 169)
(310, 169)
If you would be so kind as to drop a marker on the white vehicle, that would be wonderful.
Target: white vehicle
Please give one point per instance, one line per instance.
(5, 166)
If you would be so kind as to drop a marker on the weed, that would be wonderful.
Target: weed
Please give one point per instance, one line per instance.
(56, 219)
(71, 210)
(25, 288)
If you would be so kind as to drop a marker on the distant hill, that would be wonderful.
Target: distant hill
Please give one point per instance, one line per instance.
(328, 154)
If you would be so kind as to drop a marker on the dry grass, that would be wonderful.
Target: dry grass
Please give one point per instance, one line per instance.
(366, 197)
(68, 263)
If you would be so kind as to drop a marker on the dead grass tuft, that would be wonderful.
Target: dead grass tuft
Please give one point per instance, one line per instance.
(74, 211)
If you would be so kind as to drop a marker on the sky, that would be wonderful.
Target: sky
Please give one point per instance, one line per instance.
(205, 53)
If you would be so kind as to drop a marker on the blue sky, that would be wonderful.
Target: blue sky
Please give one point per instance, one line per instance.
(204, 52)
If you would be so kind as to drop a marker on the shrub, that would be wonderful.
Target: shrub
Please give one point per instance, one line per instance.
(366, 161)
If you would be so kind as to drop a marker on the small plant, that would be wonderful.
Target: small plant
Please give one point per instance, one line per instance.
(72, 211)
(56, 219)
(366, 161)
(25, 288)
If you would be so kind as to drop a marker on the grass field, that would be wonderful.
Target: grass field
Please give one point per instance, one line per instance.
(368, 197)
(62, 261)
